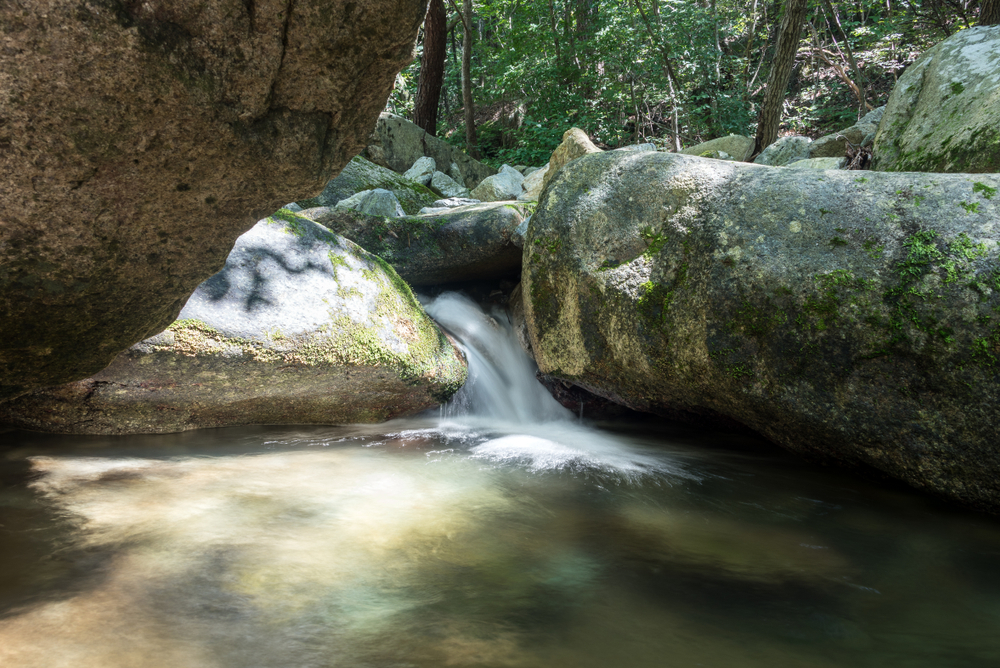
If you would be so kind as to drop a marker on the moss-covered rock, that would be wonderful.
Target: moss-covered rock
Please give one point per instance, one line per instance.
(944, 113)
(300, 327)
(463, 243)
(360, 175)
(138, 140)
(849, 315)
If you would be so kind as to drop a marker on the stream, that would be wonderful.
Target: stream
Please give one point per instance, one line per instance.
(498, 531)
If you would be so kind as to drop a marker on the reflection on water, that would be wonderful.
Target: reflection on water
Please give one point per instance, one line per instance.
(458, 546)
(515, 536)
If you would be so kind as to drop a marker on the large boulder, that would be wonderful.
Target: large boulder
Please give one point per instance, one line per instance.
(448, 187)
(737, 146)
(300, 327)
(421, 171)
(360, 175)
(400, 143)
(464, 243)
(575, 144)
(944, 112)
(138, 140)
(851, 315)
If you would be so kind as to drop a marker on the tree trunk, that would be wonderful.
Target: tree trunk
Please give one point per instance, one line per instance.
(425, 109)
(471, 141)
(781, 72)
(989, 13)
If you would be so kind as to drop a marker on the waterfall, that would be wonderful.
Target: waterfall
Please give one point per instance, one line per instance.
(502, 384)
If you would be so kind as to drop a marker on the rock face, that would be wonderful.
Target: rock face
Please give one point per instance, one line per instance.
(843, 314)
(139, 140)
(944, 113)
(502, 186)
(400, 143)
(784, 151)
(300, 327)
(737, 146)
(360, 175)
(575, 143)
(458, 244)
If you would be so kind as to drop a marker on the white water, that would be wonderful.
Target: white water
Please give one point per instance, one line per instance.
(504, 399)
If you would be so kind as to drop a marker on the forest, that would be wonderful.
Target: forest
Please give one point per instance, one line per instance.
(673, 73)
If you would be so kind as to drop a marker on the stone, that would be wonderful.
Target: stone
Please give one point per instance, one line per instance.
(638, 148)
(376, 202)
(531, 170)
(502, 186)
(515, 310)
(403, 142)
(421, 171)
(452, 202)
(140, 139)
(944, 112)
(300, 327)
(832, 145)
(575, 143)
(716, 155)
(846, 315)
(455, 172)
(533, 184)
(448, 187)
(360, 175)
(521, 233)
(465, 243)
(818, 163)
(784, 151)
(520, 168)
(738, 146)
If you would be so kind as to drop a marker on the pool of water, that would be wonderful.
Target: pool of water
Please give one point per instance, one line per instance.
(499, 531)
(470, 542)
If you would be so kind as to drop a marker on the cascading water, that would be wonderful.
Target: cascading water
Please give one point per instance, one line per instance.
(503, 398)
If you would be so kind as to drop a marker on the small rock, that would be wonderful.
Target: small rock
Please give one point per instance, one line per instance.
(737, 146)
(377, 202)
(784, 151)
(503, 186)
(422, 170)
(447, 186)
(575, 143)
(533, 184)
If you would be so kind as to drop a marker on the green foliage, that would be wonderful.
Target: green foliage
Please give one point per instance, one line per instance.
(540, 68)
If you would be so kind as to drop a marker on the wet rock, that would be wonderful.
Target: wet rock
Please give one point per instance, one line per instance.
(360, 175)
(139, 140)
(944, 112)
(838, 313)
(401, 143)
(458, 244)
(300, 327)
(784, 151)
(737, 146)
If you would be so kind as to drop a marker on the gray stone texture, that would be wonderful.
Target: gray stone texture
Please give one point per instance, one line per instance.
(464, 243)
(738, 146)
(502, 186)
(843, 314)
(140, 139)
(401, 143)
(944, 112)
(300, 327)
(360, 175)
(784, 151)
